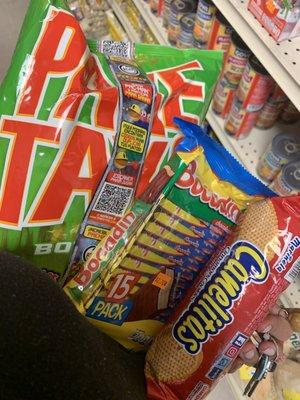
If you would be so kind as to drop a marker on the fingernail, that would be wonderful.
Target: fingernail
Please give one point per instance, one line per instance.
(249, 354)
(270, 352)
(267, 329)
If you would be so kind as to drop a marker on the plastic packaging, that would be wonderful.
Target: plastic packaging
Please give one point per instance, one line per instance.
(227, 302)
(112, 249)
(278, 17)
(59, 115)
(173, 246)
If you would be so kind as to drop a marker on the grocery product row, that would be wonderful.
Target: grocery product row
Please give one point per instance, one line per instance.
(246, 96)
(116, 20)
(202, 25)
(97, 20)
(253, 91)
(157, 235)
(279, 58)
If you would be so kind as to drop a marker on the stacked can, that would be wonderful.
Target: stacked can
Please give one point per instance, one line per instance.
(236, 60)
(177, 10)
(234, 65)
(203, 22)
(272, 109)
(92, 17)
(252, 93)
(287, 182)
(98, 19)
(220, 34)
(223, 97)
(285, 147)
(290, 115)
(166, 12)
(185, 38)
(76, 9)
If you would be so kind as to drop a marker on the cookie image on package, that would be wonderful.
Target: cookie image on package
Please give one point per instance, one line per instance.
(259, 226)
(167, 361)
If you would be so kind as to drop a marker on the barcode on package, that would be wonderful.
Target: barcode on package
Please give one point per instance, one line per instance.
(113, 199)
(293, 272)
(116, 49)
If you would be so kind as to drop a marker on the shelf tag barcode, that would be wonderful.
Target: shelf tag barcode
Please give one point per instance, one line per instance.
(293, 272)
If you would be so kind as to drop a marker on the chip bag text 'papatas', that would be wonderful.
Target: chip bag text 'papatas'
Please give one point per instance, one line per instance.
(227, 302)
(133, 300)
(59, 112)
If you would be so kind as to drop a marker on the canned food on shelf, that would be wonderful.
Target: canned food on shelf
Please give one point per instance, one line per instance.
(272, 109)
(255, 86)
(290, 114)
(220, 33)
(223, 97)
(185, 38)
(239, 121)
(154, 6)
(76, 9)
(177, 10)
(203, 22)
(236, 60)
(284, 148)
(166, 12)
(287, 182)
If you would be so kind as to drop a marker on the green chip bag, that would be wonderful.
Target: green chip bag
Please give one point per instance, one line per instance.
(59, 105)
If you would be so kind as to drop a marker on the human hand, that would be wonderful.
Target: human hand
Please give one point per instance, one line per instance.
(277, 325)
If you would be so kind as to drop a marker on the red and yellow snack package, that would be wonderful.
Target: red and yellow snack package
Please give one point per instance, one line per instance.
(131, 296)
(227, 302)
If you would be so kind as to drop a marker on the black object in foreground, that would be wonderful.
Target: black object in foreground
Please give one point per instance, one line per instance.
(49, 351)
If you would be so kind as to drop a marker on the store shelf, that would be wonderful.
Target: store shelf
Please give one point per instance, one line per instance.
(291, 297)
(132, 34)
(224, 390)
(235, 385)
(217, 126)
(282, 60)
(154, 23)
(250, 149)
